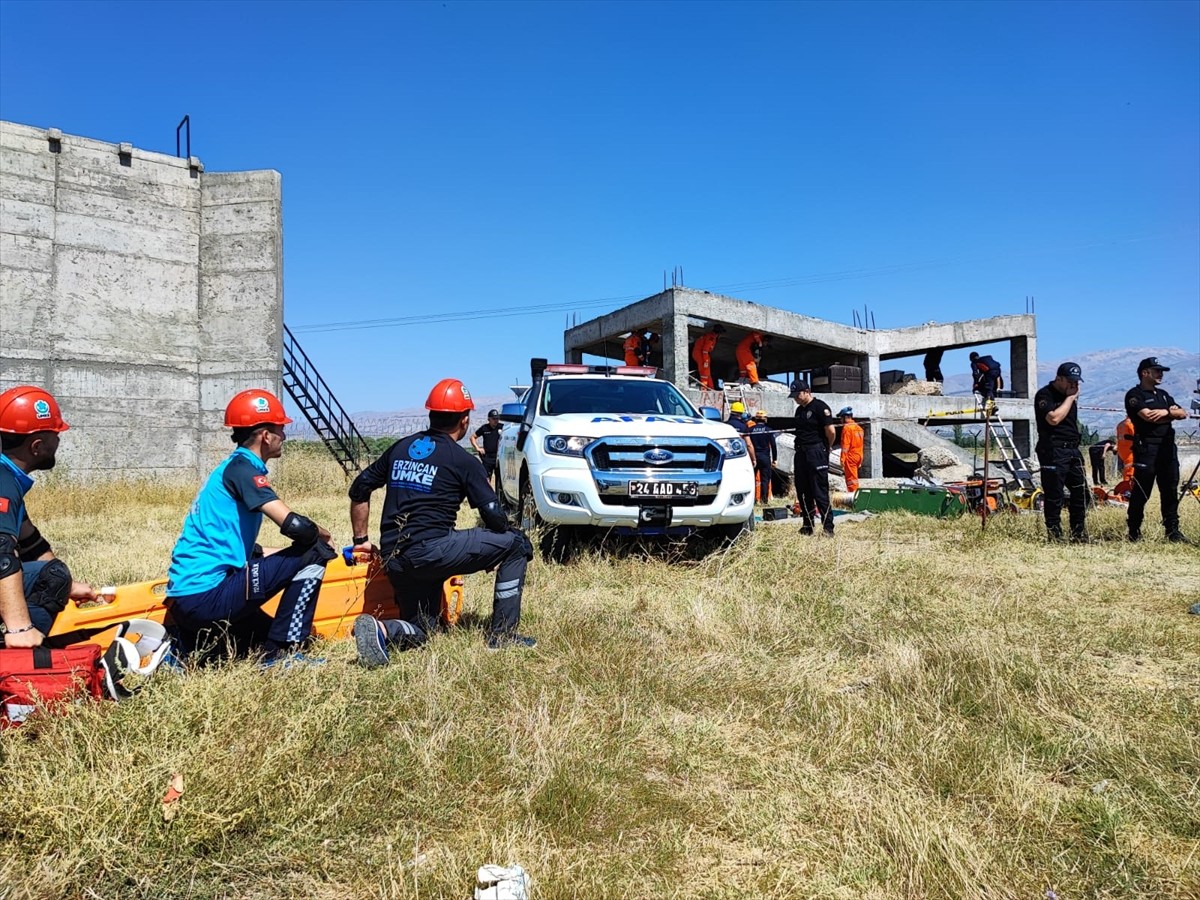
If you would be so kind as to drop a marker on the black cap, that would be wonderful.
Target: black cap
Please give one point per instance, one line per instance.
(493, 413)
(1151, 362)
(1070, 371)
(799, 387)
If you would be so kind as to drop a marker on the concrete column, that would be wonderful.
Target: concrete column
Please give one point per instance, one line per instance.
(574, 357)
(675, 347)
(1022, 359)
(1022, 436)
(872, 447)
(872, 374)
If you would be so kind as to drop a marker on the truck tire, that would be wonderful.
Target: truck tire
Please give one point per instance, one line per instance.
(551, 541)
(727, 534)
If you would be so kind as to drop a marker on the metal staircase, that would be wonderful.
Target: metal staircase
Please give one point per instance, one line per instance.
(314, 398)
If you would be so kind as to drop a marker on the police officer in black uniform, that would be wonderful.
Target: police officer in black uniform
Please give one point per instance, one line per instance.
(815, 433)
(1058, 452)
(427, 476)
(489, 450)
(1155, 457)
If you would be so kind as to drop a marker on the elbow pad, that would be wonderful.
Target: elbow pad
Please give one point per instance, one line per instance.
(33, 546)
(493, 517)
(10, 559)
(359, 492)
(300, 529)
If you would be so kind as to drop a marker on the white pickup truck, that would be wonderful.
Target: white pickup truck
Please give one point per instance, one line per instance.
(617, 448)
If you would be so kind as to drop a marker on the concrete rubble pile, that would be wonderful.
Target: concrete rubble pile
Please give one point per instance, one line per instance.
(914, 388)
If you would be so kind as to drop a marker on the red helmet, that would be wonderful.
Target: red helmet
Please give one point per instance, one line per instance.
(255, 407)
(26, 409)
(449, 395)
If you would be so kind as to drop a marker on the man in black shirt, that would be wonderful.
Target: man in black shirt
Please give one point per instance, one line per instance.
(428, 475)
(933, 366)
(1058, 452)
(1151, 410)
(490, 448)
(814, 436)
(1096, 454)
(985, 376)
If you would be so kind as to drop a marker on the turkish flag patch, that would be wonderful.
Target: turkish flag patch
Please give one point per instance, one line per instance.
(261, 481)
(3, 504)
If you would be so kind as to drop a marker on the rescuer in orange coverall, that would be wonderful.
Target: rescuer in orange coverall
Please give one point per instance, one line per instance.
(749, 351)
(852, 448)
(1125, 448)
(634, 348)
(702, 354)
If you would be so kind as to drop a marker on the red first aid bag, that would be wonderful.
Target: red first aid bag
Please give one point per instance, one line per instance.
(38, 677)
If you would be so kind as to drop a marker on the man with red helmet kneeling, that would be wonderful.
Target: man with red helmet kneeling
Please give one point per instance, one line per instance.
(34, 584)
(427, 476)
(219, 577)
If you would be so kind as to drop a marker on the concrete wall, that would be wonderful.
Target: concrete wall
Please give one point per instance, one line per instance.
(141, 291)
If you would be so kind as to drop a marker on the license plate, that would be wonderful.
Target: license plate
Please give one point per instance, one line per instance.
(664, 489)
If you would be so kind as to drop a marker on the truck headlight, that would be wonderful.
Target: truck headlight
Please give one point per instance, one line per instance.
(564, 445)
(732, 447)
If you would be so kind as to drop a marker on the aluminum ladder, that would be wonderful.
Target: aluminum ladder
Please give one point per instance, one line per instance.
(1013, 461)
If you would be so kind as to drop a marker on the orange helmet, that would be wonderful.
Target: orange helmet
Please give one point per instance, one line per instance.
(26, 409)
(255, 407)
(449, 395)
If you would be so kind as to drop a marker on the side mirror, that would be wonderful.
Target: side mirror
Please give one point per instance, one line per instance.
(512, 412)
(711, 412)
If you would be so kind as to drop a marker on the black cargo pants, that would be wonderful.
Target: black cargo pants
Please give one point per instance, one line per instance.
(1062, 467)
(1155, 461)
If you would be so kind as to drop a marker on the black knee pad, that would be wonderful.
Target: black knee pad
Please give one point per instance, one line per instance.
(51, 588)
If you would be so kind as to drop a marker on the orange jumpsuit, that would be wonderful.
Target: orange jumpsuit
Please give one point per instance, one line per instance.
(702, 354)
(852, 453)
(633, 346)
(747, 364)
(1125, 448)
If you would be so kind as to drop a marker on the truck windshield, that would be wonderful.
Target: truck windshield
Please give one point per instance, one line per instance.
(608, 396)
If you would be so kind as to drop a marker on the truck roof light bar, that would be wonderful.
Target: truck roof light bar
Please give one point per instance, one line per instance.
(583, 369)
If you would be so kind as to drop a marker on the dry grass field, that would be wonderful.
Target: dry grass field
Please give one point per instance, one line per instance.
(913, 709)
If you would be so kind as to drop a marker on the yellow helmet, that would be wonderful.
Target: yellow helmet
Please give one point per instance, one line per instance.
(760, 415)
(737, 406)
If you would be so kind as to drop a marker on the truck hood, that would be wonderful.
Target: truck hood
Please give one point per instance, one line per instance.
(630, 424)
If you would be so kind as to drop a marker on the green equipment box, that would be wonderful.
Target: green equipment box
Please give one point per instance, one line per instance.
(923, 501)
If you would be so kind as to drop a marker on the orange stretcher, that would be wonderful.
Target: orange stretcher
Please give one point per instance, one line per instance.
(348, 590)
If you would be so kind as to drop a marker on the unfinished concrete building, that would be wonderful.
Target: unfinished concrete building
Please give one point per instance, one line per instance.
(142, 291)
(802, 346)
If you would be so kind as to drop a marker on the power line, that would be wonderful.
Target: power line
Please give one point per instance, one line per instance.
(740, 286)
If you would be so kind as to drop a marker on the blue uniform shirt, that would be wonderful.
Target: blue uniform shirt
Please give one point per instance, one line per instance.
(221, 527)
(14, 485)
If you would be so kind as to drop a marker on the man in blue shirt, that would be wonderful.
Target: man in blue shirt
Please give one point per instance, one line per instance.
(34, 584)
(219, 577)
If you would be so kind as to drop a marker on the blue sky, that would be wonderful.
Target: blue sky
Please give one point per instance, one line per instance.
(929, 160)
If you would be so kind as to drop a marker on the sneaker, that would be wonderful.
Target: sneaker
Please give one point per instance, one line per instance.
(510, 641)
(1178, 537)
(371, 642)
(288, 660)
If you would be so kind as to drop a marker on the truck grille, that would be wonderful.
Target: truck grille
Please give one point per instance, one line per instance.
(616, 461)
(628, 455)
